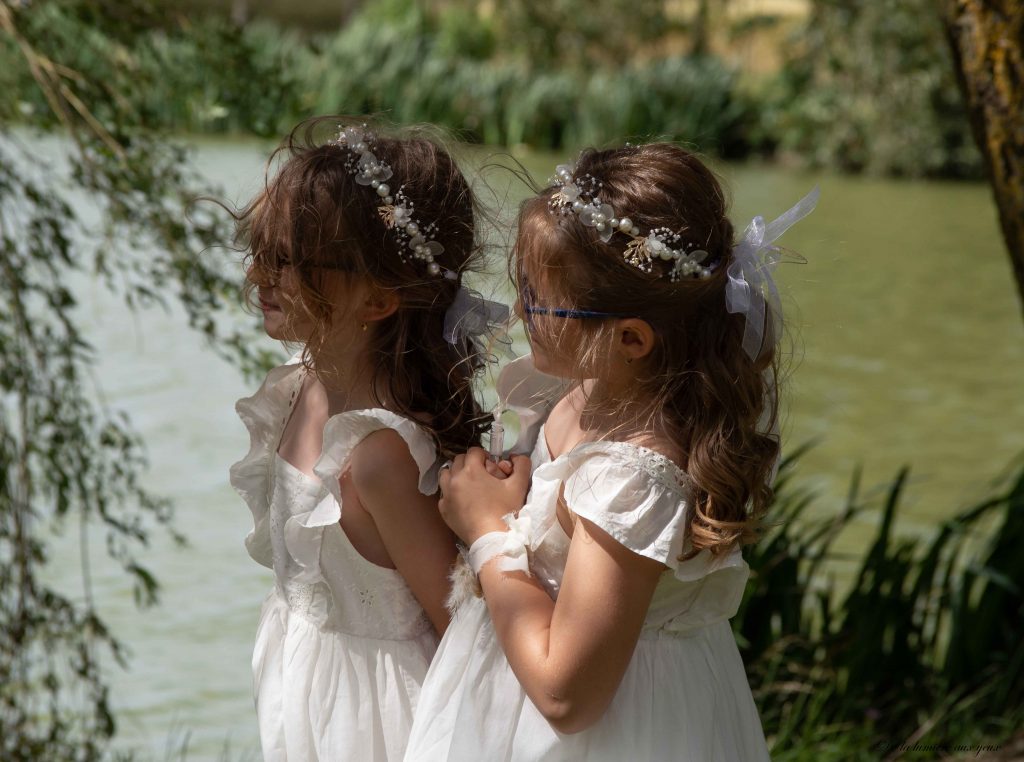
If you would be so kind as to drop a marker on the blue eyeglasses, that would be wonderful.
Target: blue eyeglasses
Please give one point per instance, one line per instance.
(527, 297)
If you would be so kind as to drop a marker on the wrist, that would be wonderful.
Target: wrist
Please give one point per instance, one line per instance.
(482, 527)
(510, 545)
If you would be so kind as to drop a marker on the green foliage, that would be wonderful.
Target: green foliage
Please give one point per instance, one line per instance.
(453, 68)
(65, 457)
(405, 68)
(925, 643)
(871, 88)
(218, 77)
(571, 34)
(208, 76)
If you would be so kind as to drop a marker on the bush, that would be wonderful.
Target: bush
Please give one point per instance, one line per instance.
(925, 644)
(872, 89)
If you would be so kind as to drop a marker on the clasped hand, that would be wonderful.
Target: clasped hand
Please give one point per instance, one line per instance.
(476, 493)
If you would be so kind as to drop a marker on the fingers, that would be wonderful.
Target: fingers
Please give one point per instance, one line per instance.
(521, 472)
(495, 469)
(474, 459)
(501, 469)
(519, 462)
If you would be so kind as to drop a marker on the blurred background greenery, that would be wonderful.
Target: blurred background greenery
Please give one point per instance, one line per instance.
(855, 86)
(880, 614)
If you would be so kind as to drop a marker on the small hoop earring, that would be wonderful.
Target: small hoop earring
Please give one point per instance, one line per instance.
(364, 326)
(629, 360)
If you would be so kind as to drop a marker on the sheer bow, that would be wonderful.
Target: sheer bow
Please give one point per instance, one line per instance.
(471, 316)
(751, 290)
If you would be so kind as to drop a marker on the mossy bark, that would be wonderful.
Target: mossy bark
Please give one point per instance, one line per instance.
(987, 39)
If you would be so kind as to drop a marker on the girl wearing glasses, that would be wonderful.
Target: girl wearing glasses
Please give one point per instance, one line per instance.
(356, 250)
(608, 562)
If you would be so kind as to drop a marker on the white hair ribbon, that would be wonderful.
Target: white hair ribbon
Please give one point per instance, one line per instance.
(470, 316)
(751, 290)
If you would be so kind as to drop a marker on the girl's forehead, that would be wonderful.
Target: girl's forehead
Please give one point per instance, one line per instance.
(540, 254)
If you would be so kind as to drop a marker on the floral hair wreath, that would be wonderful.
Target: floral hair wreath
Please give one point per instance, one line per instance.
(581, 196)
(750, 289)
(470, 316)
(396, 210)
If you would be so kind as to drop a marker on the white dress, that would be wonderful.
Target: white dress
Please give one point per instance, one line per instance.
(342, 646)
(684, 696)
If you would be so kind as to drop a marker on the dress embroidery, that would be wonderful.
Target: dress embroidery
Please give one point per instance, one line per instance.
(660, 467)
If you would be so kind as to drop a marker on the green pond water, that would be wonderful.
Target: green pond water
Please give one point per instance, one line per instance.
(910, 350)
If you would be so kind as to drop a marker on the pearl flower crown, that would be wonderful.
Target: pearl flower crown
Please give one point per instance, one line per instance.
(396, 209)
(581, 195)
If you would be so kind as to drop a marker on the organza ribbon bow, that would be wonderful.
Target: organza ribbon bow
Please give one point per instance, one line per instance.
(751, 289)
(471, 316)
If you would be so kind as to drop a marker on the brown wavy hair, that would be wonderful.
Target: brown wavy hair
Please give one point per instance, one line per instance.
(697, 389)
(313, 217)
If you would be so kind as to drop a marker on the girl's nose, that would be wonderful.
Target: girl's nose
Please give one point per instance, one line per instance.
(258, 276)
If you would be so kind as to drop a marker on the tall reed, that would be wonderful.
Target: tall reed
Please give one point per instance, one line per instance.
(925, 644)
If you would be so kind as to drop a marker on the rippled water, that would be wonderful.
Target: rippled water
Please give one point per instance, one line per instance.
(911, 351)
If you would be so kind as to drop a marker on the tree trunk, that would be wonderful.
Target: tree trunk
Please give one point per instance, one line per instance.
(987, 39)
(701, 23)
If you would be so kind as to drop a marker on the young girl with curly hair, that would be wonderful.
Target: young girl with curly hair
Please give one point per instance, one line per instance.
(357, 248)
(607, 575)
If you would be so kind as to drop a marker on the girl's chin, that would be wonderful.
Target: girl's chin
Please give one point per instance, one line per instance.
(544, 364)
(274, 325)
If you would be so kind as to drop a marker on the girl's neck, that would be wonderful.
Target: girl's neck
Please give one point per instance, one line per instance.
(611, 419)
(345, 381)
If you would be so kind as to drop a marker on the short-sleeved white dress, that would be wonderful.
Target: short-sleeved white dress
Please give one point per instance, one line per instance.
(684, 696)
(342, 645)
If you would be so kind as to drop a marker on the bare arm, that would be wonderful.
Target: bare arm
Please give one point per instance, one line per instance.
(570, 654)
(420, 545)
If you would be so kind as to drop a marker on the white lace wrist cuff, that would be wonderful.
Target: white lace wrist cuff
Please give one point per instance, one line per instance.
(511, 545)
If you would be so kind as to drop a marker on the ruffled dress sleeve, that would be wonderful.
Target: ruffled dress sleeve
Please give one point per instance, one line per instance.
(303, 533)
(643, 501)
(264, 415)
(638, 496)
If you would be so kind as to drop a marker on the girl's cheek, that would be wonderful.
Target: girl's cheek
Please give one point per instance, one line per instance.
(548, 358)
(288, 283)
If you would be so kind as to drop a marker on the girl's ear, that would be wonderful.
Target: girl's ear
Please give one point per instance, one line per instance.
(634, 338)
(379, 304)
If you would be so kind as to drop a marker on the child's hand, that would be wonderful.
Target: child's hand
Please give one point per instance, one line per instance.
(474, 498)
